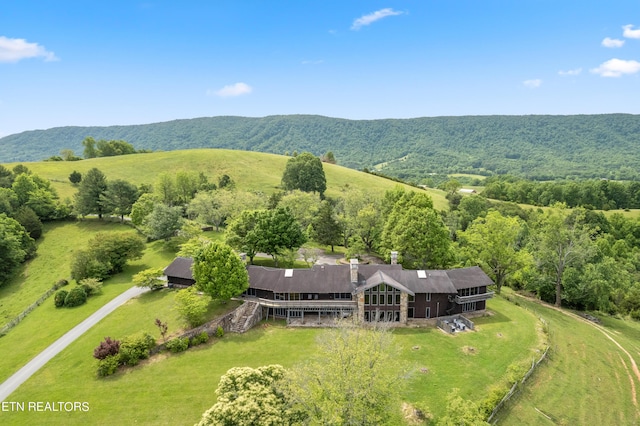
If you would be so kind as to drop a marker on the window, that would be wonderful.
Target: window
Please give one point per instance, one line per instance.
(428, 313)
(366, 316)
(295, 314)
(412, 298)
(410, 313)
(280, 296)
(397, 298)
(396, 316)
(294, 296)
(280, 312)
(389, 299)
(381, 288)
(467, 307)
(428, 298)
(389, 316)
(374, 299)
(366, 298)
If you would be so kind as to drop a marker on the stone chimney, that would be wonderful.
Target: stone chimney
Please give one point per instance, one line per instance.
(394, 257)
(354, 271)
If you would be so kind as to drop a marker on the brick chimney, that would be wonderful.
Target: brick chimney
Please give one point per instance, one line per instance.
(394, 257)
(354, 271)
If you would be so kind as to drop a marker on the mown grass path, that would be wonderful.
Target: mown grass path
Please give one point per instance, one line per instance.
(591, 376)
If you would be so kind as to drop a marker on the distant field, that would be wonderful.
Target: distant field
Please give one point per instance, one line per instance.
(252, 171)
(176, 389)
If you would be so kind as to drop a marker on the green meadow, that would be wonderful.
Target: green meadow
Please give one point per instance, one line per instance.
(175, 389)
(252, 171)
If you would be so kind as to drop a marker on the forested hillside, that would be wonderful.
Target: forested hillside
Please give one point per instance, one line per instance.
(536, 147)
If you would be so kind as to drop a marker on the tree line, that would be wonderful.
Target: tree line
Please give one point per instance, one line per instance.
(600, 194)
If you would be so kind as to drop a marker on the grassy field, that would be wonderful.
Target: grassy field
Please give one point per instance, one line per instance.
(588, 378)
(176, 389)
(53, 262)
(252, 171)
(46, 323)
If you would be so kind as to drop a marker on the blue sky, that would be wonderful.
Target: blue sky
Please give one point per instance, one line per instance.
(65, 63)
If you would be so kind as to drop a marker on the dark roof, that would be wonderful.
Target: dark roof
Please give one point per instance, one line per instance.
(180, 268)
(380, 277)
(319, 279)
(336, 278)
(468, 277)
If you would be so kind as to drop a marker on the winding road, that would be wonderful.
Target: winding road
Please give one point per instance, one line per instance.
(13, 382)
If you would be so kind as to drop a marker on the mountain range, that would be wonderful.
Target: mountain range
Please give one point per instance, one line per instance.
(538, 147)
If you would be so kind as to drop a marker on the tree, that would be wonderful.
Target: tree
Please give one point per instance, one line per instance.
(326, 229)
(329, 158)
(6, 177)
(89, 198)
(278, 231)
(417, 232)
(304, 172)
(8, 201)
(29, 220)
(142, 208)
(75, 177)
(250, 397)
(119, 198)
(13, 249)
(219, 272)
(495, 241)
(69, 155)
(151, 278)
(353, 378)
(163, 222)
(89, 147)
(107, 254)
(186, 186)
(192, 306)
(560, 242)
(461, 412)
(164, 188)
(303, 206)
(242, 235)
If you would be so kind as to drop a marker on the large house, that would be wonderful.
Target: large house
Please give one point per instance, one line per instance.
(370, 292)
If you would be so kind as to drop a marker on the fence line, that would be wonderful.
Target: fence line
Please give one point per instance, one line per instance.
(15, 321)
(518, 384)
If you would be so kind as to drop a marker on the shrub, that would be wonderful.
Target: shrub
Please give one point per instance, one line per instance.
(76, 297)
(91, 286)
(496, 393)
(179, 344)
(635, 314)
(135, 348)
(62, 283)
(59, 298)
(107, 347)
(108, 365)
(219, 331)
(200, 338)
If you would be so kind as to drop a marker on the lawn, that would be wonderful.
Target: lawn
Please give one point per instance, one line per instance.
(53, 262)
(176, 389)
(587, 380)
(46, 323)
(251, 171)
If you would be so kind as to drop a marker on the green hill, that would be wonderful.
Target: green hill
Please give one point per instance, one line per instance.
(252, 171)
(537, 146)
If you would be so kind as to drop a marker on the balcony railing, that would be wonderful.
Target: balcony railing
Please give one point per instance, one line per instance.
(308, 304)
(474, 298)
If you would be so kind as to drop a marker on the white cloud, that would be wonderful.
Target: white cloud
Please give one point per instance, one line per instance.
(616, 68)
(612, 42)
(373, 17)
(576, 71)
(16, 49)
(629, 32)
(231, 90)
(532, 84)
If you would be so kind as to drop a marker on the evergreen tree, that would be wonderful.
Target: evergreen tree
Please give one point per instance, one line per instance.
(326, 228)
(89, 198)
(120, 197)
